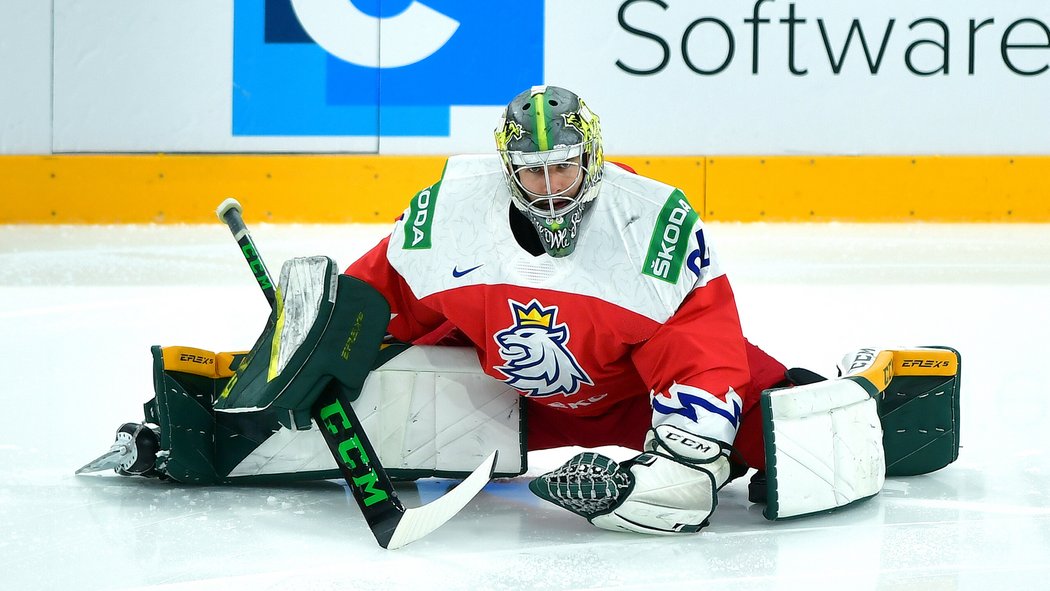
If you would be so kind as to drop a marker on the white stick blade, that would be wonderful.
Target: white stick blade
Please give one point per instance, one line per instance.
(418, 522)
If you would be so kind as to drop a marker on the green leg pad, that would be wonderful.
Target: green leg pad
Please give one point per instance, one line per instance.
(187, 428)
(201, 446)
(920, 423)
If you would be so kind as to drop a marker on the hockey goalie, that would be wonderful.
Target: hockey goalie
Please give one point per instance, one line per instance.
(544, 283)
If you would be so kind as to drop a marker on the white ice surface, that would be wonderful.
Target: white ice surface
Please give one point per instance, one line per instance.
(82, 305)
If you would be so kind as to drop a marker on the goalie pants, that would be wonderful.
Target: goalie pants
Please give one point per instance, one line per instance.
(626, 423)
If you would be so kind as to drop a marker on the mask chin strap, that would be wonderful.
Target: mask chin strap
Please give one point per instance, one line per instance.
(558, 234)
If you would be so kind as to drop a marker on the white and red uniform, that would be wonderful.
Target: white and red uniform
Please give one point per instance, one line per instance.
(641, 307)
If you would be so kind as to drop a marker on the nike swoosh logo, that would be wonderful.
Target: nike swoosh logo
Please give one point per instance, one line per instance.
(457, 273)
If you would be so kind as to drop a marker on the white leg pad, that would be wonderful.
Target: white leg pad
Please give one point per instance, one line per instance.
(432, 408)
(823, 447)
(429, 411)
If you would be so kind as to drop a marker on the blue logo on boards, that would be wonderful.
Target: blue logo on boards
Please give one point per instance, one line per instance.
(312, 67)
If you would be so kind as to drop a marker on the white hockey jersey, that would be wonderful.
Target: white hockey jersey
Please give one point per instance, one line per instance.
(641, 307)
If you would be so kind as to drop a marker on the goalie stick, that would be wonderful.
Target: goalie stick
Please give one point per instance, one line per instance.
(392, 524)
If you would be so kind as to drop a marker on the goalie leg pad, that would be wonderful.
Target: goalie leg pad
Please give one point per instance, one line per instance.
(197, 445)
(920, 411)
(832, 443)
(918, 403)
(429, 411)
(182, 409)
(432, 411)
(823, 448)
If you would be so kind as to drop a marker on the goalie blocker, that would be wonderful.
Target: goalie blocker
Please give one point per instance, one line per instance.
(428, 411)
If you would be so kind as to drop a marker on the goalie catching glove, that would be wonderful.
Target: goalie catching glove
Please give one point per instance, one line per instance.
(671, 488)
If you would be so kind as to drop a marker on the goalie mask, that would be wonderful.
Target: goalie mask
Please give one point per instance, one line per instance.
(551, 147)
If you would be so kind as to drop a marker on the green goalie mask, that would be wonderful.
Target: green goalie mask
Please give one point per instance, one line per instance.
(551, 147)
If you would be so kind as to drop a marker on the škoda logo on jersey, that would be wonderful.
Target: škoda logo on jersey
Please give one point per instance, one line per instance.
(421, 218)
(670, 239)
(538, 360)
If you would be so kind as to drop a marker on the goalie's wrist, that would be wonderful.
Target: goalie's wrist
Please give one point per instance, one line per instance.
(684, 446)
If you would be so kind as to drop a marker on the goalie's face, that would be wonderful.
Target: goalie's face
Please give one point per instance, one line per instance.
(550, 145)
(552, 187)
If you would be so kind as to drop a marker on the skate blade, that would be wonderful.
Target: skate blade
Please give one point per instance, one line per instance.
(107, 461)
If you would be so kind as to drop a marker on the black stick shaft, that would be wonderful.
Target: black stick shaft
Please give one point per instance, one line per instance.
(230, 213)
(357, 460)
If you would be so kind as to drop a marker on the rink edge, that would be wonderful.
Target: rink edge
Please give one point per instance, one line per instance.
(177, 188)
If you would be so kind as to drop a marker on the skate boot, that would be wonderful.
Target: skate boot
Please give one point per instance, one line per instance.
(134, 453)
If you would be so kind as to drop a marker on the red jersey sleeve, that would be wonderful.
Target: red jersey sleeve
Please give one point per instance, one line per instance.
(696, 363)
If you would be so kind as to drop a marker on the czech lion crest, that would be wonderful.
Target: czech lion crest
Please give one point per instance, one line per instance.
(538, 362)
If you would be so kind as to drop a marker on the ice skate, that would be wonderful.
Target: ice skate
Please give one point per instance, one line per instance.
(133, 453)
